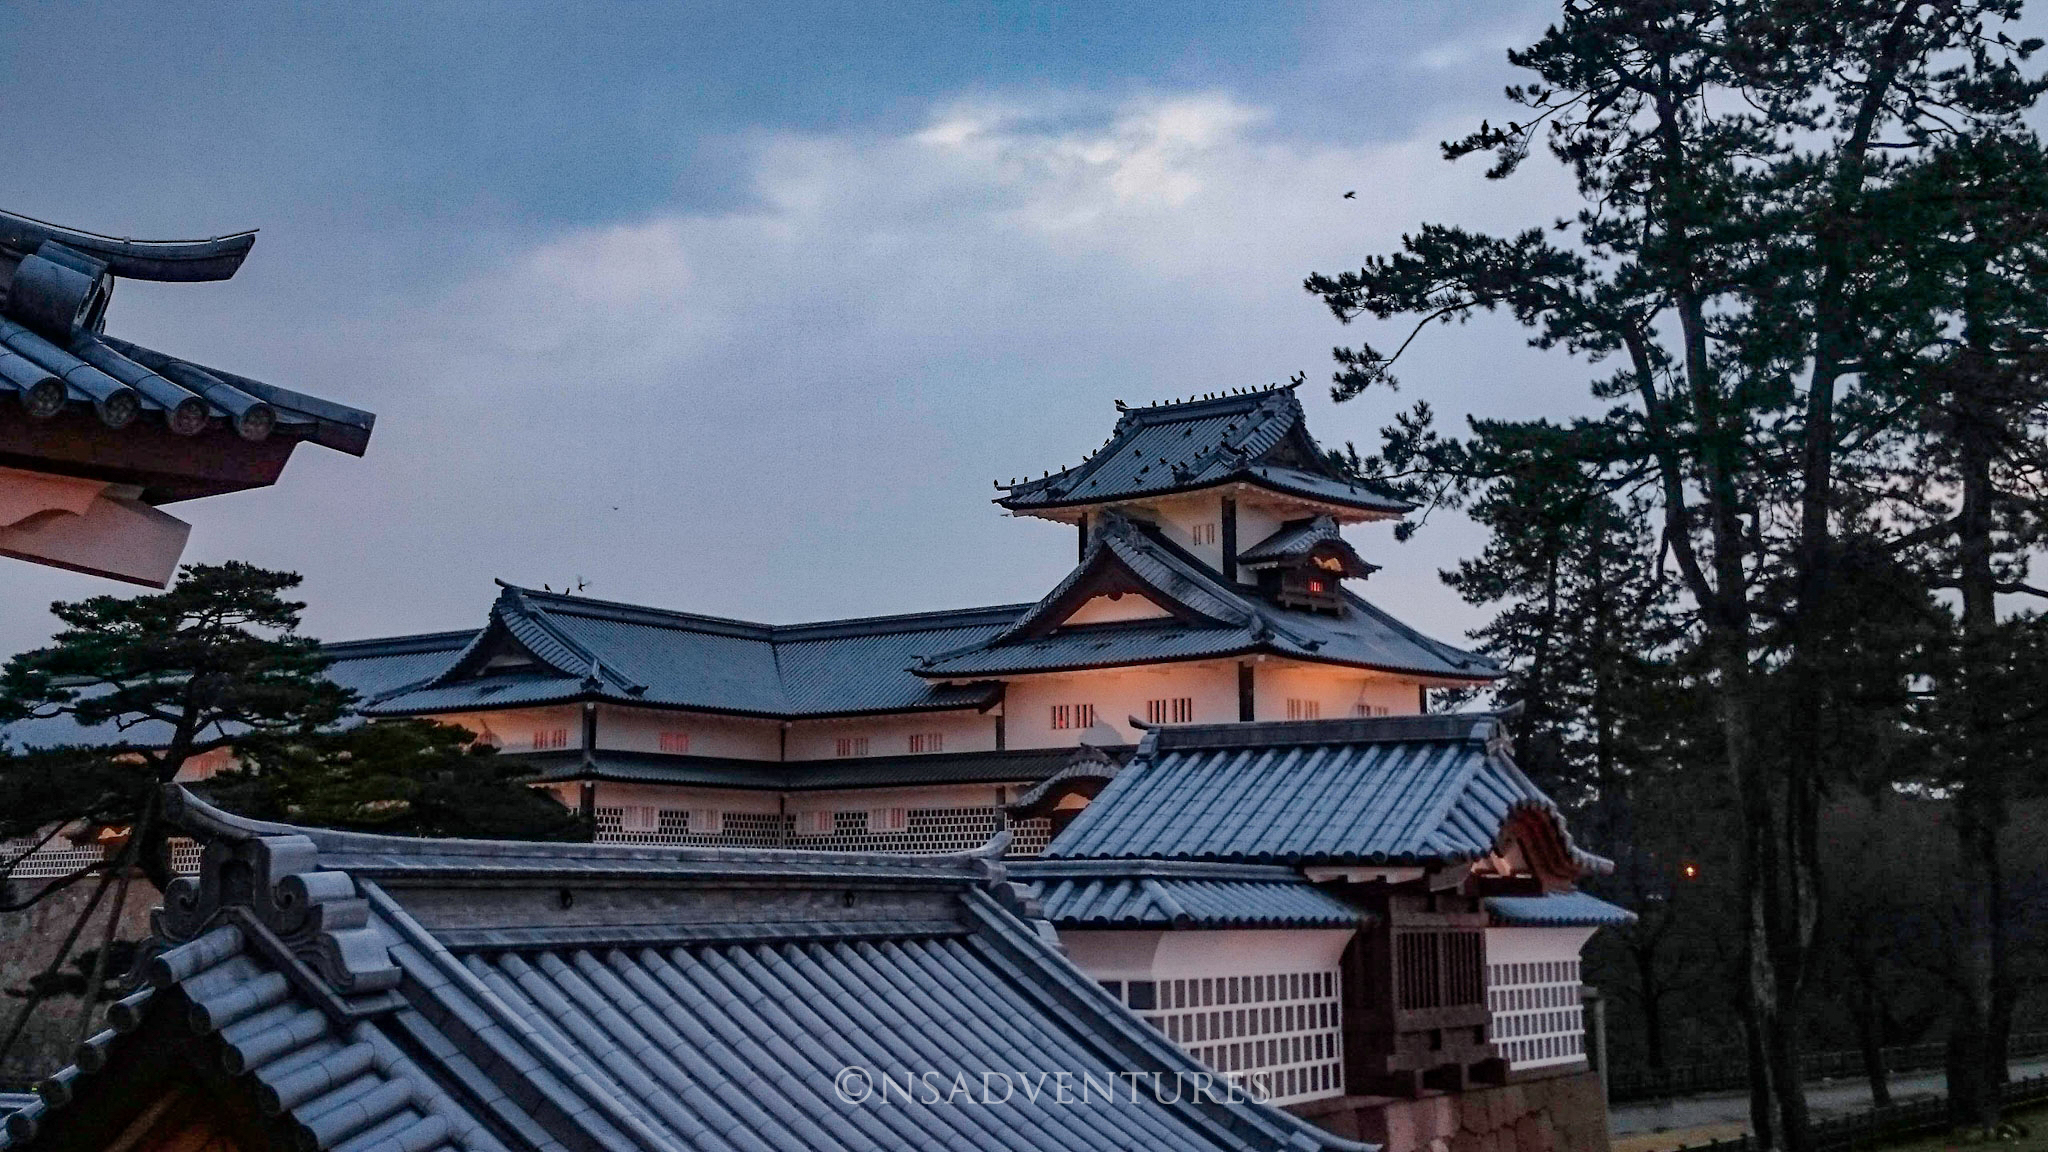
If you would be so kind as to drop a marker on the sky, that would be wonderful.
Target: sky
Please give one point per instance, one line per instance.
(741, 308)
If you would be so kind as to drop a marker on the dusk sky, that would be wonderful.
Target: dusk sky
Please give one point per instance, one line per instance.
(739, 308)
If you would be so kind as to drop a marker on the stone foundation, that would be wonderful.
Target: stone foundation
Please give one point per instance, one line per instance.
(28, 941)
(1564, 1112)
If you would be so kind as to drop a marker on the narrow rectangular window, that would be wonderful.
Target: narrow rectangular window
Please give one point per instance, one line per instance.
(1177, 710)
(1183, 709)
(851, 746)
(1299, 709)
(814, 823)
(640, 818)
(927, 742)
(551, 738)
(675, 741)
(1369, 710)
(1204, 534)
(888, 820)
(706, 822)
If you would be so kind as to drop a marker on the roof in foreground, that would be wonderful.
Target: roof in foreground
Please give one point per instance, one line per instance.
(1161, 894)
(375, 992)
(184, 429)
(1556, 910)
(1257, 437)
(1399, 790)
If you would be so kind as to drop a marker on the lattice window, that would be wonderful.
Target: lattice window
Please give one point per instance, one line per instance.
(923, 830)
(1203, 533)
(1439, 969)
(1278, 1031)
(546, 738)
(60, 857)
(1538, 1019)
(927, 741)
(1369, 710)
(1176, 710)
(642, 818)
(1029, 837)
(1299, 709)
(1073, 716)
(888, 820)
(850, 746)
(675, 741)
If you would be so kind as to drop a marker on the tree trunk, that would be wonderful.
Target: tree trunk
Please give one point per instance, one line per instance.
(1979, 1014)
(1870, 1038)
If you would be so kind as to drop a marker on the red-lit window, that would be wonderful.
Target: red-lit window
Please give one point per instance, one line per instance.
(1073, 716)
(851, 746)
(927, 741)
(551, 738)
(675, 741)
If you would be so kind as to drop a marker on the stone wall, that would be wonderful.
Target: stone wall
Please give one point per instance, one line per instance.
(28, 940)
(1554, 1113)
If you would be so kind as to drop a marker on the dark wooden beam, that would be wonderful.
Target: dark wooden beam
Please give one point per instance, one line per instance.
(167, 467)
(1247, 708)
(1230, 539)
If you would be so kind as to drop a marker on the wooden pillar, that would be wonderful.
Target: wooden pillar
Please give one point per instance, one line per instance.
(1229, 539)
(586, 802)
(1247, 705)
(589, 733)
(1082, 553)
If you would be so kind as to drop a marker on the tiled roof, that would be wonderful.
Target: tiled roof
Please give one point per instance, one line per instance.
(1257, 437)
(491, 996)
(1298, 538)
(854, 772)
(1216, 618)
(577, 648)
(62, 368)
(1179, 894)
(1556, 910)
(1401, 790)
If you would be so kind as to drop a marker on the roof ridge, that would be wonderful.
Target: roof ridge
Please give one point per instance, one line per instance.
(659, 617)
(399, 645)
(1478, 727)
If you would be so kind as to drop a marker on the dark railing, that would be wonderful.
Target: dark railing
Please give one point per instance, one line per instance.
(1732, 1073)
(1886, 1125)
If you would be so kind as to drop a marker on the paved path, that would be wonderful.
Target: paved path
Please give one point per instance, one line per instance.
(1824, 1097)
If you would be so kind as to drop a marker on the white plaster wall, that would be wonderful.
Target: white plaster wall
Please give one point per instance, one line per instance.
(1108, 609)
(1338, 690)
(1118, 694)
(1132, 955)
(640, 729)
(1522, 945)
(964, 731)
(1178, 517)
(514, 728)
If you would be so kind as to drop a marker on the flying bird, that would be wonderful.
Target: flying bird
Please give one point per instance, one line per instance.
(1351, 195)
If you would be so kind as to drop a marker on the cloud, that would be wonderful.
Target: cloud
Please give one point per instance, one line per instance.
(792, 408)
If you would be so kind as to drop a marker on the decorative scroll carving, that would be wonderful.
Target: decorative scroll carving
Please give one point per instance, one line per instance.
(316, 915)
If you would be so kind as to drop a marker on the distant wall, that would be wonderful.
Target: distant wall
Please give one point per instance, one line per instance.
(1558, 1113)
